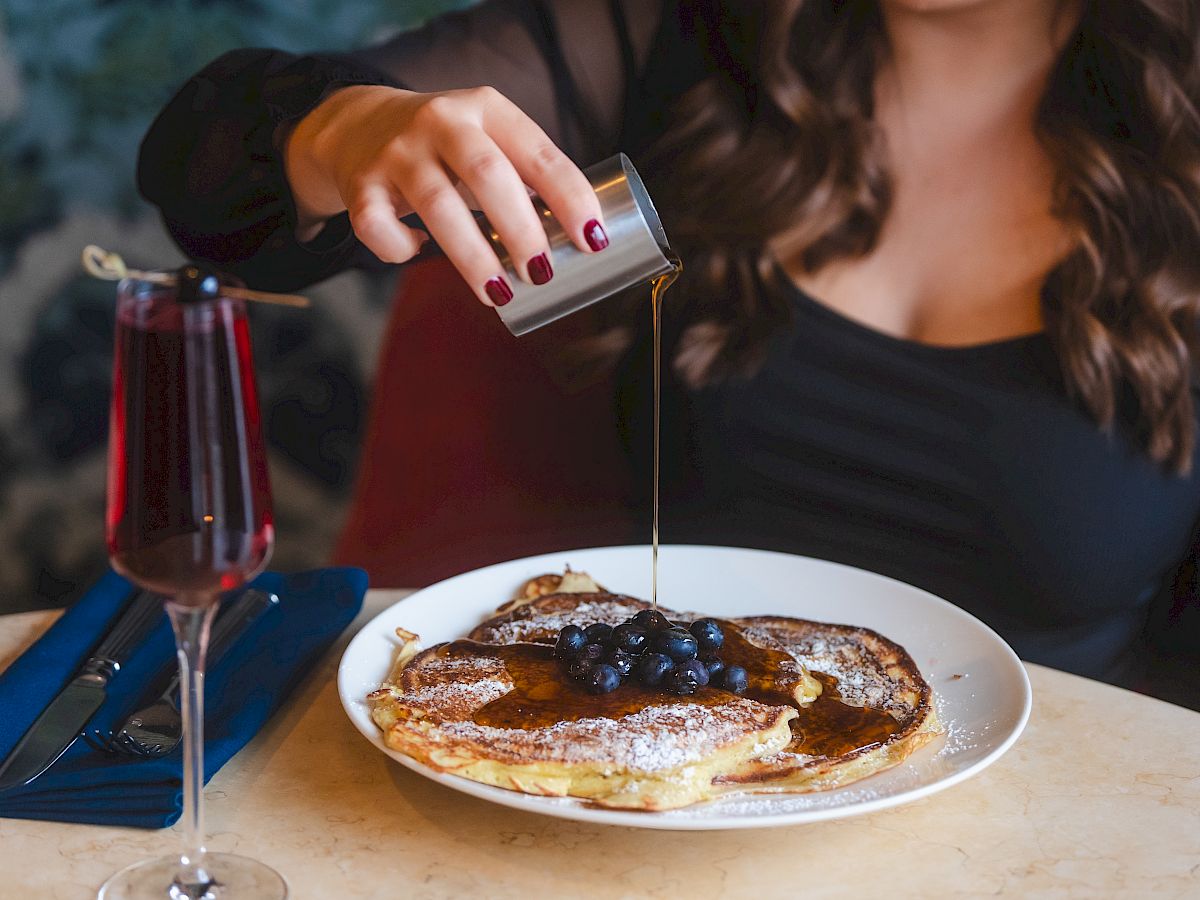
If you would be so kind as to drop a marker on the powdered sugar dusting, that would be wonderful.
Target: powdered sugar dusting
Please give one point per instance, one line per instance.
(863, 678)
(545, 625)
(777, 804)
(449, 689)
(959, 739)
(445, 699)
(653, 740)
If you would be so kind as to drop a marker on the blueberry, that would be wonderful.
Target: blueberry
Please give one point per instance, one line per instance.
(699, 671)
(651, 620)
(598, 632)
(630, 638)
(570, 641)
(676, 643)
(715, 666)
(621, 661)
(735, 679)
(683, 679)
(603, 679)
(579, 668)
(593, 653)
(708, 635)
(652, 667)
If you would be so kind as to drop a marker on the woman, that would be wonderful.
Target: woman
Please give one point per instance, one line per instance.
(939, 318)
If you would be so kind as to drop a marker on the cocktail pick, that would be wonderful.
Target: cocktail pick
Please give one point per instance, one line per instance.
(103, 264)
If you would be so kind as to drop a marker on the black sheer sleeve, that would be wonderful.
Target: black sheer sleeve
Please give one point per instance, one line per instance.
(211, 159)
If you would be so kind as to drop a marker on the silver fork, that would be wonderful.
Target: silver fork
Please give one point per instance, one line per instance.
(155, 729)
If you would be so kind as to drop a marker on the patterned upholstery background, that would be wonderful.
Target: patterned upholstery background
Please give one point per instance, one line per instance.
(79, 82)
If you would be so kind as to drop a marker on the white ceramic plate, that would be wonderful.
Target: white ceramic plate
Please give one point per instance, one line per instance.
(982, 692)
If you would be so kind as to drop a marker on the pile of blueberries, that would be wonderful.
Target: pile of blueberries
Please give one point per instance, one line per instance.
(652, 649)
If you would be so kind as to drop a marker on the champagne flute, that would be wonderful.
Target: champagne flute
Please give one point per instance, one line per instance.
(189, 516)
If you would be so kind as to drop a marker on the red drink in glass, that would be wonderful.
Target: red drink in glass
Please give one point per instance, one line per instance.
(189, 516)
(189, 512)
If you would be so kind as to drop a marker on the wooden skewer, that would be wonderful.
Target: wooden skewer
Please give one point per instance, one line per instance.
(100, 263)
(295, 300)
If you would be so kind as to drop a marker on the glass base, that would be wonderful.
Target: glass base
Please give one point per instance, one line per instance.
(233, 878)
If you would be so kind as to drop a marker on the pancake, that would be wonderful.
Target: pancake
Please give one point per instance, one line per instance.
(827, 705)
(836, 740)
(653, 751)
(569, 582)
(861, 672)
(539, 618)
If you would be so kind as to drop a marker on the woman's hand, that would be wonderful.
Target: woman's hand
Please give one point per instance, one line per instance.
(383, 153)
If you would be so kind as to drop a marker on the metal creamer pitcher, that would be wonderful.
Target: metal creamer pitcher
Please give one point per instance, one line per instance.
(637, 251)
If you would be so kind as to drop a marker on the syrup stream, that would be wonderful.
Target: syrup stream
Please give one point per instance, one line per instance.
(661, 283)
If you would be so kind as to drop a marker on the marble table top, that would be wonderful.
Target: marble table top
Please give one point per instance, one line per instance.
(1099, 798)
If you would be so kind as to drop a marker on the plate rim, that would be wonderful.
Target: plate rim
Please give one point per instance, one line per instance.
(671, 820)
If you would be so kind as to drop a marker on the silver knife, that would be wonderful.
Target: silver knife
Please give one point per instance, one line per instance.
(55, 729)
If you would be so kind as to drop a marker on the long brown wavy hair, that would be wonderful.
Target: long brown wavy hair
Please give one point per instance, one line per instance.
(782, 133)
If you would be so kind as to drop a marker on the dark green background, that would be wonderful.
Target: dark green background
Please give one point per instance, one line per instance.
(79, 83)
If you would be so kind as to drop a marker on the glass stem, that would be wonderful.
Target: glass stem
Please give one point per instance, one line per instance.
(191, 617)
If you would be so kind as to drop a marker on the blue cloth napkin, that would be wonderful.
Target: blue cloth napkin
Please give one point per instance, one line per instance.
(249, 683)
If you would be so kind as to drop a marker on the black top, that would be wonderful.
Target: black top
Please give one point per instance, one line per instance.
(965, 471)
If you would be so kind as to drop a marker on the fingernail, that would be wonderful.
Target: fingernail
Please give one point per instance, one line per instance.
(498, 291)
(539, 269)
(594, 234)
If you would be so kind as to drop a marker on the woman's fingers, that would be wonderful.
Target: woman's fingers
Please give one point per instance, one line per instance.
(489, 176)
(493, 150)
(373, 217)
(550, 172)
(429, 191)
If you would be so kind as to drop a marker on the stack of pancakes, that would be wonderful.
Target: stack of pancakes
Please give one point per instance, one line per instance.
(853, 703)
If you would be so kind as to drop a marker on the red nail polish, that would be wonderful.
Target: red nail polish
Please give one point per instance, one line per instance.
(539, 269)
(498, 291)
(595, 235)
